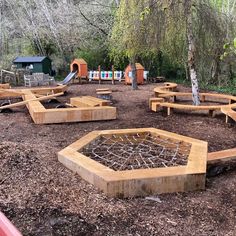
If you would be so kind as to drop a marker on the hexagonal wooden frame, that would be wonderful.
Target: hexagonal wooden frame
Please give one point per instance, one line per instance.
(139, 182)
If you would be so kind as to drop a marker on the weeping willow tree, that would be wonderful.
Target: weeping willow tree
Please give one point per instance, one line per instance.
(190, 32)
(128, 38)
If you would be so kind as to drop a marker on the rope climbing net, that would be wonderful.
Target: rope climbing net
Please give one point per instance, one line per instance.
(137, 151)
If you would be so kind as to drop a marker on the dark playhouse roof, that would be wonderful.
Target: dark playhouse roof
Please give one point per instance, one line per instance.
(28, 59)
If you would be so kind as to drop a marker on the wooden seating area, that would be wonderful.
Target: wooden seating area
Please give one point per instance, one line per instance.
(165, 97)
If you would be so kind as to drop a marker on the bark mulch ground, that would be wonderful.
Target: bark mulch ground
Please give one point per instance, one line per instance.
(42, 198)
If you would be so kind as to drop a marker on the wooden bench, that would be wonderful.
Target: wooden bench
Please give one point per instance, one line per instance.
(229, 112)
(104, 93)
(153, 103)
(88, 101)
(166, 92)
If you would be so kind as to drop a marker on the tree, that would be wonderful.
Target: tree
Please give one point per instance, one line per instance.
(128, 35)
(186, 31)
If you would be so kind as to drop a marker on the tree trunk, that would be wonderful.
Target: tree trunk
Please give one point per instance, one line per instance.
(191, 54)
(134, 74)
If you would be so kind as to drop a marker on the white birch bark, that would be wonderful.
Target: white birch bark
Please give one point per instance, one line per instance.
(191, 55)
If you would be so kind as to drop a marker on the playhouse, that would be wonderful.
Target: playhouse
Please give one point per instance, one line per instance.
(139, 72)
(79, 65)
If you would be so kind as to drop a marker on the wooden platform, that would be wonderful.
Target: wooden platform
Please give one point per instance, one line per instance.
(138, 182)
(86, 108)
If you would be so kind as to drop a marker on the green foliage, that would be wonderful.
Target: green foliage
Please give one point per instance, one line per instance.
(94, 58)
(229, 50)
(128, 34)
(145, 12)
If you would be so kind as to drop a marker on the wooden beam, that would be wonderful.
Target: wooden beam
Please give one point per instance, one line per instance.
(225, 155)
(30, 100)
(5, 86)
(10, 93)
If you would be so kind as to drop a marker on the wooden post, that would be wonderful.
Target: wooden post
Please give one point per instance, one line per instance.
(15, 77)
(113, 74)
(211, 113)
(99, 74)
(1, 77)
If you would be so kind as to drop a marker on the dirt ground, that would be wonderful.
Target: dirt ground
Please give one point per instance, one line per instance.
(42, 198)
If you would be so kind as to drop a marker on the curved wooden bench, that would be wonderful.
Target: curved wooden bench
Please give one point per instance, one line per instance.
(210, 108)
(168, 87)
(166, 92)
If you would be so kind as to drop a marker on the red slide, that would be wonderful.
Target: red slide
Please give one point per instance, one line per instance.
(7, 228)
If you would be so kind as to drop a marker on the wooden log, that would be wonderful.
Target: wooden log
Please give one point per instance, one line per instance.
(30, 100)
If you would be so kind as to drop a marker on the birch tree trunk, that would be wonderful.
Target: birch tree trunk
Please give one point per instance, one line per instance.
(191, 53)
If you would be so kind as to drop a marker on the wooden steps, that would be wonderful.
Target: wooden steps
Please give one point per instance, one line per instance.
(225, 155)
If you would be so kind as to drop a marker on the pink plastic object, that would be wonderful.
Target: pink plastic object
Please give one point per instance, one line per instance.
(7, 228)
